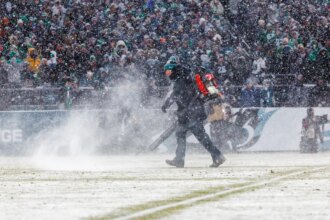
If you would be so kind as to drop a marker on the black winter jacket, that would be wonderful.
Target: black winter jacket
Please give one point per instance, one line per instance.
(185, 95)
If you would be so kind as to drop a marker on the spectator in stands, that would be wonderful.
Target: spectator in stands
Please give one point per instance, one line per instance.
(292, 38)
(319, 94)
(58, 9)
(3, 72)
(285, 51)
(250, 95)
(222, 73)
(33, 62)
(240, 69)
(1, 48)
(229, 93)
(267, 98)
(14, 67)
(298, 94)
(89, 79)
(323, 63)
(259, 67)
(298, 64)
(327, 47)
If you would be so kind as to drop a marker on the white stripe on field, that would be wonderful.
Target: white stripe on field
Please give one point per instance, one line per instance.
(214, 195)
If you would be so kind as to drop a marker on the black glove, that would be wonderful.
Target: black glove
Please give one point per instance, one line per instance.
(164, 107)
(167, 104)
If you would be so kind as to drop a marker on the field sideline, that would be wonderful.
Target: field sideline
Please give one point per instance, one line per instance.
(261, 186)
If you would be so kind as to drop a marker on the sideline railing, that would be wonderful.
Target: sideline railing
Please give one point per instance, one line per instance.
(85, 97)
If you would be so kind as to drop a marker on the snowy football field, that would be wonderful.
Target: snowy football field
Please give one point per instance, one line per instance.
(247, 186)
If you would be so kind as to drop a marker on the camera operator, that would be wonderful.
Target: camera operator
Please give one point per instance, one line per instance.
(311, 131)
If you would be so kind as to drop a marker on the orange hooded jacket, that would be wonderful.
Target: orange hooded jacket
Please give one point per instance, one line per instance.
(33, 63)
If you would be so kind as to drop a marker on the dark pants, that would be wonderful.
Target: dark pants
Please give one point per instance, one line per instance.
(199, 132)
(219, 134)
(222, 132)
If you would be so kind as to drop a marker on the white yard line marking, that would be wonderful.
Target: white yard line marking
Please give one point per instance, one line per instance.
(214, 195)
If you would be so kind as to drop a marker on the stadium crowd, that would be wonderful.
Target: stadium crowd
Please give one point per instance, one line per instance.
(98, 43)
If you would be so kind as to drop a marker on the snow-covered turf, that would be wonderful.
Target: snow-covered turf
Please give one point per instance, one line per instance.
(247, 186)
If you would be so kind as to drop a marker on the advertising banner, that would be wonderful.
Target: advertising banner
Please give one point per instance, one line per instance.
(16, 127)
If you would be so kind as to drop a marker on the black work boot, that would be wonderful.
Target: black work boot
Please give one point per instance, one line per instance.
(218, 160)
(175, 163)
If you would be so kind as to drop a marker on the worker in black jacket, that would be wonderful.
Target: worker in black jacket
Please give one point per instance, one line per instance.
(190, 112)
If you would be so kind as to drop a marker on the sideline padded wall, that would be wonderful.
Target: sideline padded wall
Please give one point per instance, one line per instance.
(274, 129)
(265, 129)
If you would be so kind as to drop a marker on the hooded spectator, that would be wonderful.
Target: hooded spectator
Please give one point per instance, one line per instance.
(33, 61)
